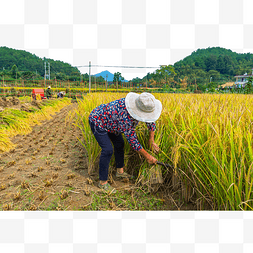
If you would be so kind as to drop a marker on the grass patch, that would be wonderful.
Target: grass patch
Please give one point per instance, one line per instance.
(136, 200)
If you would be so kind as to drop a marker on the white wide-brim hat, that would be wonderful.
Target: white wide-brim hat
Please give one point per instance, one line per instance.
(143, 107)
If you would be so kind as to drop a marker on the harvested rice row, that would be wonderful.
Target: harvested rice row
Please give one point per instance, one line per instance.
(14, 121)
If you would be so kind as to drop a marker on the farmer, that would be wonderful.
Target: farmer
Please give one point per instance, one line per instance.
(48, 92)
(108, 121)
(60, 94)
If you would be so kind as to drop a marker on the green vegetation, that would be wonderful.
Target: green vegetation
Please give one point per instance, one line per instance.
(203, 69)
(135, 200)
(16, 64)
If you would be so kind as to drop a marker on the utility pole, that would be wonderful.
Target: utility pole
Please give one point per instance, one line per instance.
(45, 75)
(106, 82)
(45, 70)
(95, 84)
(89, 76)
(49, 71)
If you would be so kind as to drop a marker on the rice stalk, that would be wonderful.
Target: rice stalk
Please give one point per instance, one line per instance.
(209, 137)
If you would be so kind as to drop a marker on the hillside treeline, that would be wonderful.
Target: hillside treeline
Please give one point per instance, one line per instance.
(15, 64)
(203, 69)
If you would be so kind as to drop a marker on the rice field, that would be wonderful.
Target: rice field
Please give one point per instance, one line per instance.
(14, 121)
(206, 138)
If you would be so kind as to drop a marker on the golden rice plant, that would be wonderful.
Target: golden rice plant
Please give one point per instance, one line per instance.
(85, 107)
(206, 138)
(209, 137)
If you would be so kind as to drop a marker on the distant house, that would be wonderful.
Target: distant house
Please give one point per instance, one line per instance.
(227, 85)
(242, 80)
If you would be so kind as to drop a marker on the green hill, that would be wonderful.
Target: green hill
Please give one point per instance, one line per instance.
(203, 69)
(27, 62)
(225, 61)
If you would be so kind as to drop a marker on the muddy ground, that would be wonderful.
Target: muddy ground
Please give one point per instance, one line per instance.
(47, 170)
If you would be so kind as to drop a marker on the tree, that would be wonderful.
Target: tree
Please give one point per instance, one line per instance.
(28, 75)
(221, 65)
(99, 79)
(183, 83)
(211, 62)
(248, 87)
(136, 81)
(200, 63)
(14, 71)
(61, 76)
(152, 82)
(213, 74)
(166, 72)
(117, 77)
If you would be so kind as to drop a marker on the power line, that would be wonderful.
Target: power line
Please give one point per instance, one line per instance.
(104, 66)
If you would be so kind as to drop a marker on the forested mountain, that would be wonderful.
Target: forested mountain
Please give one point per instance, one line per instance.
(204, 68)
(26, 62)
(224, 61)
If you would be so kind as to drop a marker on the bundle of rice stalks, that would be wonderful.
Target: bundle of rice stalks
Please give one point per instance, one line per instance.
(64, 194)
(5, 142)
(32, 207)
(41, 195)
(151, 176)
(70, 176)
(17, 196)
(7, 206)
(25, 185)
(2, 187)
(49, 182)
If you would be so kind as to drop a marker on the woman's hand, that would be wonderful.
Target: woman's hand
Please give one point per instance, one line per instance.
(151, 160)
(154, 147)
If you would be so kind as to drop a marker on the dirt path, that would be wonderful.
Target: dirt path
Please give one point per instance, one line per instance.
(48, 171)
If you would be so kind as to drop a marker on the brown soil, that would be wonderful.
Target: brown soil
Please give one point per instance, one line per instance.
(48, 171)
(14, 102)
(47, 164)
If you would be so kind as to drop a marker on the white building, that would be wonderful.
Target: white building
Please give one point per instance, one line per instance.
(242, 80)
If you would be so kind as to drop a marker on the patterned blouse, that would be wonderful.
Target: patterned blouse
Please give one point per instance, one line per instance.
(114, 118)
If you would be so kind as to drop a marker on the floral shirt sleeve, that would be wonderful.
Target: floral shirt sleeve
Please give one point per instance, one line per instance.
(114, 118)
(131, 137)
(151, 126)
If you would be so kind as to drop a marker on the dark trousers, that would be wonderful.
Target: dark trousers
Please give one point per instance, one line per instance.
(105, 141)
